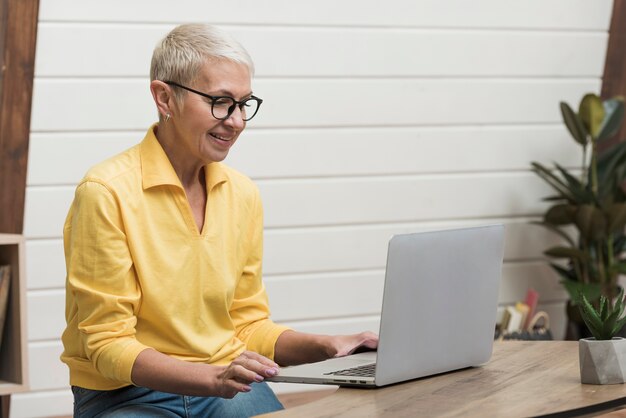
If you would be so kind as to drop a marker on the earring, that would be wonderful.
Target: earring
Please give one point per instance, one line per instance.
(167, 117)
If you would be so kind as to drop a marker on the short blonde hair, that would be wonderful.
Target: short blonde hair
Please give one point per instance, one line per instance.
(180, 55)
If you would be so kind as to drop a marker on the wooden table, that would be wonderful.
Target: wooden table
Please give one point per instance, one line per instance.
(522, 379)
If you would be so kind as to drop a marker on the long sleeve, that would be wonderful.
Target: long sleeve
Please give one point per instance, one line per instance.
(101, 283)
(250, 308)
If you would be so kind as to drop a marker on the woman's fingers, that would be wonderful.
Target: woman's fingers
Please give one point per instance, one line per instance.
(257, 363)
(246, 369)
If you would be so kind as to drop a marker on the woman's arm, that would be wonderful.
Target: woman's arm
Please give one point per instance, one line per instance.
(294, 347)
(160, 372)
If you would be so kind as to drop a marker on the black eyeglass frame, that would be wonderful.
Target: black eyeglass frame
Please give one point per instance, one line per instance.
(231, 108)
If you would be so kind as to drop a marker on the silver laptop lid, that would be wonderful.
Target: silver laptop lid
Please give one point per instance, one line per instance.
(446, 283)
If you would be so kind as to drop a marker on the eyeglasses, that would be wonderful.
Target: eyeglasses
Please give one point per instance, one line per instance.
(224, 106)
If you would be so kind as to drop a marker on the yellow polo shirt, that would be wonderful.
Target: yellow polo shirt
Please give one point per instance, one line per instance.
(140, 274)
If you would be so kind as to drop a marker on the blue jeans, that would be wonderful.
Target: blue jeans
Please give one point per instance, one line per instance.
(132, 401)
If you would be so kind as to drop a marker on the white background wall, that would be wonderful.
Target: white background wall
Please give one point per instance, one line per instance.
(379, 118)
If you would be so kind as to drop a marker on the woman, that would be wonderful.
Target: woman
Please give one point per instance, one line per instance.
(163, 249)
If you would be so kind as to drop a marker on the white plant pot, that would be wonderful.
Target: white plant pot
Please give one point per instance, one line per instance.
(602, 362)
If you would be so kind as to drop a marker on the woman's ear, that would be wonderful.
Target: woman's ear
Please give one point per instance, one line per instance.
(163, 97)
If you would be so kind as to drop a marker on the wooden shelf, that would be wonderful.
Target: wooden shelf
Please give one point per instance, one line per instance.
(13, 358)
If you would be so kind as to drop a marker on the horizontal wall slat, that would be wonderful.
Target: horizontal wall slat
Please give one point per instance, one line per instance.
(291, 203)
(344, 152)
(45, 264)
(46, 314)
(308, 202)
(321, 102)
(565, 14)
(42, 404)
(47, 372)
(361, 247)
(345, 294)
(290, 296)
(295, 51)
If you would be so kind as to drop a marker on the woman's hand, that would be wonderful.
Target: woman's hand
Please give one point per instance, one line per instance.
(344, 345)
(248, 368)
(294, 347)
(161, 372)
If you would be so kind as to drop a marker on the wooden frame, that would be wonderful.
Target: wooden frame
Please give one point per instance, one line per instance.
(13, 358)
(614, 79)
(18, 35)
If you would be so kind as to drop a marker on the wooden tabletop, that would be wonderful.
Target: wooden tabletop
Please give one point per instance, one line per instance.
(522, 379)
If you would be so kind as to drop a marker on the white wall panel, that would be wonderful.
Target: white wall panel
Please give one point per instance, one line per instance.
(537, 14)
(337, 325)
(42, 404)
(345, 248)
(45, 211)
(291, 295)
(291, 203)
(45, 314)
(45, 264)
(386, 150)
(48, 154)
(47, 372)
(296, 51)
(345, 294)
(272, 153)
(125, 104)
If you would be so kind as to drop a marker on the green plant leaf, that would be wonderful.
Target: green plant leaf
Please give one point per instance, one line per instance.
(616, 217)
(604, 308)
(618, 326)
(553, 199)
(557, 184)
(610, 319)
(592, 291)
(591, 222)
(619, 303)
(619, 244)
(619, 268)
(574, 124)
(606, 321)
(561, 214)
(591, 113)
(614, 114)
(566, 274)
(590, 317)
(576, 188)
(619, 306)
(567, 252)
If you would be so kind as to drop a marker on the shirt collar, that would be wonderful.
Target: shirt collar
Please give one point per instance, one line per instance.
(156, 169)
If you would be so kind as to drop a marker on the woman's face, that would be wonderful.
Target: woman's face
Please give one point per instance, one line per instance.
(204, 138)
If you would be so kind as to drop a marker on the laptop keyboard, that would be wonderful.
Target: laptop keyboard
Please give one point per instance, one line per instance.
(367, 370)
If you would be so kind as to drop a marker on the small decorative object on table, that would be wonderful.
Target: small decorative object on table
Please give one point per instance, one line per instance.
(602, 357)
(538, 329)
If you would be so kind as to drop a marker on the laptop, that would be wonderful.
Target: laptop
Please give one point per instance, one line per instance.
(438, 314)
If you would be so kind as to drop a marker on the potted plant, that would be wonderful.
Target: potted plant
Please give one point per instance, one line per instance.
(602, 357)
(589, 208)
